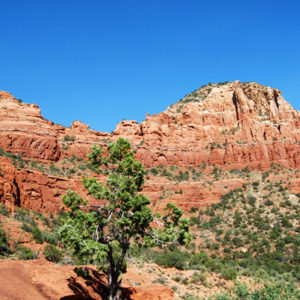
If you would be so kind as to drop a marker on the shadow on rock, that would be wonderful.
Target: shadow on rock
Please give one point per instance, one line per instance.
(92, 287)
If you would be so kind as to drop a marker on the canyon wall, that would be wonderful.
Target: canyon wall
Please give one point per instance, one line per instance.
(231, 125)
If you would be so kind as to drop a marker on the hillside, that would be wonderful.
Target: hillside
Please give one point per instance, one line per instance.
(228, 154)
(228, 125)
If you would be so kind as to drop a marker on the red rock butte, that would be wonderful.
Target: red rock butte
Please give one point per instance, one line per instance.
(241, 124)
(238, 123)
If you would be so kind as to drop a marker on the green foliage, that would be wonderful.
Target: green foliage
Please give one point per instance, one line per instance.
(16, 160)
(274, 291)
(4, 243)
(68, 138)
(24, 215)
(37, 235)
(268, 202)
(3, 210)
(82, 272)
(252, 232)
(102, 234)
(52, 253)
(82, 167)
(175, 259)
(53, 168)
(25, 253)
(229, 274)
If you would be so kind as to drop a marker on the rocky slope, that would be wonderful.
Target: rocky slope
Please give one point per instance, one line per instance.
(39, 279)
(230, 125)
(241, 124)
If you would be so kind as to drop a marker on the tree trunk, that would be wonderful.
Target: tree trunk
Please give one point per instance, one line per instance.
(113, 275)
(114, 287)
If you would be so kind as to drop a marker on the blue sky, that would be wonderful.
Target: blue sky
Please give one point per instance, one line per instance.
(103, 61)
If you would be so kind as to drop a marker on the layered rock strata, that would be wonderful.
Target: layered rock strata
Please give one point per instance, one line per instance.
(233, 125)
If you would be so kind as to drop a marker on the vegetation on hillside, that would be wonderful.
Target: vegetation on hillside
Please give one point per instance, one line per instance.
(251, 237)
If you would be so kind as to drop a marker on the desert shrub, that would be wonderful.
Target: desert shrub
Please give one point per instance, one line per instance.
(280, 291)
(228, 273)
(251, 200)
(223, 296)
(241, 291)
(82, 272)
(82, 167)
(4, 243)
(255, 184)
(154, 171)
(52, 253)
(160, 280)
(24, 215)
(214, 265)
(195, 221)
(198, 259)
(37, 235)
(53, 168)
(268, 202)
(194, 209)
(274, 291)
(50, 238)
(25, 253)
(3, 210)
(69, 138)
(198, 277)
(288, 203)
(175, 259)
(27, 227)
(71, 171)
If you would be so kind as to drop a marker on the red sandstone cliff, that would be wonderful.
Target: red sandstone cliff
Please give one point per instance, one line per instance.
(240, 123)
(237, 123)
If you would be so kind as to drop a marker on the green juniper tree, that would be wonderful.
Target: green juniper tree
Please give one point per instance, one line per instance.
(102, 234)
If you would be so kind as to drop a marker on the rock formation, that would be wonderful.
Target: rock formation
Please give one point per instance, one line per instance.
(236, 124)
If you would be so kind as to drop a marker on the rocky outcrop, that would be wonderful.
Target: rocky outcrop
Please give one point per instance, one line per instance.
(24, 131)
(236, 124)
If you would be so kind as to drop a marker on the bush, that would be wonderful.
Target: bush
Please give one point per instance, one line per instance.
(50, 238)
(198, 259)
(82, 167)
(52, 253)
(228, 274)
(268, 202)
(198, 278)
(175, 259)
(3, 210)
(53, 168)
(241, 291)
(82, 272)
(24, 215)
(37, 235)
(27, 227)
(4, 245)
(278, 291)
(68, 138)
(25, 253)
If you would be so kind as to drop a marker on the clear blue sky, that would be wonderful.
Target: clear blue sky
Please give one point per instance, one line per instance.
(102, 61)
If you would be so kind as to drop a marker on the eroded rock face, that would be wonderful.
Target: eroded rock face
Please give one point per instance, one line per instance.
(9, 189)
(241, 124)
(237, 123)
(24, 131)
